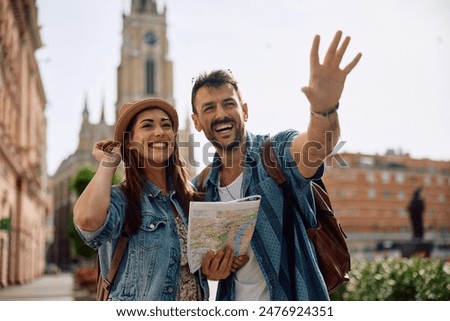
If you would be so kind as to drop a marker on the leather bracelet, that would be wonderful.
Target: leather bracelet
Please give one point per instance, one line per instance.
(327, 113)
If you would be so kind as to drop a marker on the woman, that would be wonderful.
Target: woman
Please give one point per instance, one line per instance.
(151, 205)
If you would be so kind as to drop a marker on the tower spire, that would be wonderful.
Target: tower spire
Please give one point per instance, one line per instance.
(85, 109)
(102, 114)
(144, 6)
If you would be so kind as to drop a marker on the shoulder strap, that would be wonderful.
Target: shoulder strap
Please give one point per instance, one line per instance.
(272, 167)
(201, 178)
(117, 257)
(271, 164)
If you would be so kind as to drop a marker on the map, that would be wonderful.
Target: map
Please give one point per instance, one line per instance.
(215, 225)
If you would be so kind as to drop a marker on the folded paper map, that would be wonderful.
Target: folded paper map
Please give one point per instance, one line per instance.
(215, 225)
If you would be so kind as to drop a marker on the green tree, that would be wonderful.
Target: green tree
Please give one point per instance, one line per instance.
(78, 184)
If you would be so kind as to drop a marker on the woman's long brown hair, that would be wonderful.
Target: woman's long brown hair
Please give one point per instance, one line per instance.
(134, 183)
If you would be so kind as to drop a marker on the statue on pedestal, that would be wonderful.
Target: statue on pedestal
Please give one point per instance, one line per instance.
(416, 208)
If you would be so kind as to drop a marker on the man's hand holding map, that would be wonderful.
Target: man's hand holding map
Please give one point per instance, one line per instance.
(215, 225)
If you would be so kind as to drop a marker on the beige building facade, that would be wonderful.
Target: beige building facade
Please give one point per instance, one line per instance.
(25, 221)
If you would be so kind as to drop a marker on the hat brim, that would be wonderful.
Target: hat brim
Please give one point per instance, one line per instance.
(129, 110)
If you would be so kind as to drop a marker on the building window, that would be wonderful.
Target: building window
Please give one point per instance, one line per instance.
(150, 75)
(372, 193)
(400, 178)
(386, 194)
(402, 212)
(401, 195)
(367, 161)
(370, 177)
(441, 198)
(385, 177)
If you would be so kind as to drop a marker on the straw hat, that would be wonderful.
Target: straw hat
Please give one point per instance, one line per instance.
(132, 108)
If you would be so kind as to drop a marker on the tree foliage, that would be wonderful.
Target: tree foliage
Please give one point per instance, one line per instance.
(78, 184)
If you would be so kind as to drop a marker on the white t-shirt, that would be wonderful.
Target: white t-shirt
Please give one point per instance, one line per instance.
(249, 283)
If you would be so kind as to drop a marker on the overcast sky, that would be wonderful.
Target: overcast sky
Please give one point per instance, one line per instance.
(397, 97)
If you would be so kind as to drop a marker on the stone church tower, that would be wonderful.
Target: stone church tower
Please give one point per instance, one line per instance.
(145, 69)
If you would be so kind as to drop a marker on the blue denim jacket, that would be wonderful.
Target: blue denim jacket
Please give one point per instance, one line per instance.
(150, 267)
(267, 238)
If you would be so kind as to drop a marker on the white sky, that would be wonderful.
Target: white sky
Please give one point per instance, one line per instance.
(397, 97)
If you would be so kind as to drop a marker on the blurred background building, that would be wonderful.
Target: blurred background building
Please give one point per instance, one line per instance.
(371, 194)
(25, 210)
(63, 197)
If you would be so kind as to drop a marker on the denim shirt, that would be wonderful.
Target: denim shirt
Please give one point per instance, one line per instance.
(267, 238)
(150, 267)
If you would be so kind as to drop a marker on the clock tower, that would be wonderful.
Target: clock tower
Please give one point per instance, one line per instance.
(145, 69)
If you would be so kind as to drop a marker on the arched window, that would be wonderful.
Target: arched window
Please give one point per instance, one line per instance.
(150, 77)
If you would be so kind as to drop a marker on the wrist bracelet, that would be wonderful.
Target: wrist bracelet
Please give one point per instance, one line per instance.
(327, 113)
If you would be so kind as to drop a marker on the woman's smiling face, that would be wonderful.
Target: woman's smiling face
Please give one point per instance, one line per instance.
(153, 137)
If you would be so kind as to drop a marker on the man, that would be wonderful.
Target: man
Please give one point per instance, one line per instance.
(237, 171)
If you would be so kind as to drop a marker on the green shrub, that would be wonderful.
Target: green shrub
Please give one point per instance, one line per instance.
(78, 184)
(397, 279)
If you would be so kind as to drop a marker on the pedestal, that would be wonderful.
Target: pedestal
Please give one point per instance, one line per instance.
(416, 248)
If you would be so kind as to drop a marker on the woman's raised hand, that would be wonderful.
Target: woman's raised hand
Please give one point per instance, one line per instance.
(107, 153)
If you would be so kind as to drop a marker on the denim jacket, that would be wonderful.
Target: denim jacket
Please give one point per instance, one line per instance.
(267, 240)
(150, 267)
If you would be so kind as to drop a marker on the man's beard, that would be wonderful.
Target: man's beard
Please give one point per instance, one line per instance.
(230, 147)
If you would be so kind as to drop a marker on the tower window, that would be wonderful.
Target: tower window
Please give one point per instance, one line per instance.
(150, 73)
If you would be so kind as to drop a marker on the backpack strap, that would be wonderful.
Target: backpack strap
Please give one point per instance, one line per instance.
(273, 169)
(201, 178)
(270, 163)
(104, 284)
